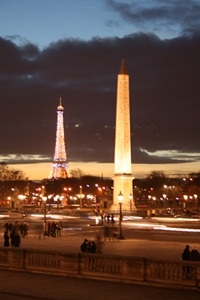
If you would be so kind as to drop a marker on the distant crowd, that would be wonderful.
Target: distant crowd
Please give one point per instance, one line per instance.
(14, 232)
(53, 229)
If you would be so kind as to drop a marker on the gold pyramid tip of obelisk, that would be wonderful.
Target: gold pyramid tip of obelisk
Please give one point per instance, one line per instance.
(123, 68)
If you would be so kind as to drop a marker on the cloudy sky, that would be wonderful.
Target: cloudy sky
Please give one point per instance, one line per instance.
(74, 49)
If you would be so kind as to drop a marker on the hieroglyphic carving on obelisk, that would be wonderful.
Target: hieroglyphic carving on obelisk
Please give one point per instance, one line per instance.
(122, 160)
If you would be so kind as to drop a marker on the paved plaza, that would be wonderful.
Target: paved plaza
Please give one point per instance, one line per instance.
(18, 285)
(30, 286)
(136, 243)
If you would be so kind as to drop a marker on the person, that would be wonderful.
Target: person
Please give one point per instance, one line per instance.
(21, 227)
(106, 232)
(58, 228)
(93, 247)
(53, 229)
(25, 229)
(84, 246)
(17, 240)
(6, 239)
(194, 255)
(99, 244)
(186, 253)
(16, 226)
(108, 218)
(8, 226)
(115, 233)
(112, 219)
(12, 238)
(186, 256)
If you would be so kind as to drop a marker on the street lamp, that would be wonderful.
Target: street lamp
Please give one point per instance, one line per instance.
(21, 197)
(8, 202)
(130, 199)
(195, 202)
(185, 198)
(120, 199)
(164, 196)
(44, 199)
(56, 199)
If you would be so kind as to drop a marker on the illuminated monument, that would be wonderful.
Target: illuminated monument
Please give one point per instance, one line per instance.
(59, 167)
(122, 161)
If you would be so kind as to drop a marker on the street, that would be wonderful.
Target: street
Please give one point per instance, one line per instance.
(144, 238)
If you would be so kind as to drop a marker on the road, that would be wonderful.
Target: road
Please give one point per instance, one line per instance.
(143, 238)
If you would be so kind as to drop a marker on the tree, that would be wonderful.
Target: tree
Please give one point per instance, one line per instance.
(157, 178)
(155, 181)
(10, 174)
(77, 173)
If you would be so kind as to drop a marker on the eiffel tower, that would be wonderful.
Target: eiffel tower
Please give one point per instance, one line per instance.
(59, 167)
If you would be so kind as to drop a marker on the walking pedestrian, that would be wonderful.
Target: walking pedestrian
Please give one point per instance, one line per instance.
(186, 253)
(93, 247)
(6, 239)
(186, 256)
(17, 240)
(84, 246)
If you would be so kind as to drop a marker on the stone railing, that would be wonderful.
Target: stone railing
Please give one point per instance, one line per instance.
(176, 274)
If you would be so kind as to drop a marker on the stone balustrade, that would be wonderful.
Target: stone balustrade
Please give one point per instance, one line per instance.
(136, 270)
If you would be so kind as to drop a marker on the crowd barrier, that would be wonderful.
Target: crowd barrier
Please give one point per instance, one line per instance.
(135, 270)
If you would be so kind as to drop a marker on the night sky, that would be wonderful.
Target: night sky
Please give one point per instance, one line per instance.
(80, 62)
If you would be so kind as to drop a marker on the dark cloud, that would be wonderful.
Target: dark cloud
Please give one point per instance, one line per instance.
(165, 96)
(158, 15)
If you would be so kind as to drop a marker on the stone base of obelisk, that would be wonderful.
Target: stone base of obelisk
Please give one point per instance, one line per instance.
(123, 183)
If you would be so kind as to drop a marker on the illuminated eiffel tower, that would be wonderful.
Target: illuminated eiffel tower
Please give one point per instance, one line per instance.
(59, 167)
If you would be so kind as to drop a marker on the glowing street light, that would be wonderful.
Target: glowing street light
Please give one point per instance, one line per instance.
(130, 199)
(56, 198)
(196, 201)
(44, 199)
(120, 199)
(81, 195)
(8, 202)
(185, 198)
(164, 197)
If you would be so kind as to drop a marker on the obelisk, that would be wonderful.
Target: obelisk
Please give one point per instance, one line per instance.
(123, 177)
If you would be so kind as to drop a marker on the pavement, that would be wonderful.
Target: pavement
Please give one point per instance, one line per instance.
(18, 285)
(139, 243)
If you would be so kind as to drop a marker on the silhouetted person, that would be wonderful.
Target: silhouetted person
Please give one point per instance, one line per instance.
(186, 256)
(112, 219)
(106, 232)
(12, 238)
(84, 246)
(17, 240)
(186, 253)
(6, 239)
(92, 247)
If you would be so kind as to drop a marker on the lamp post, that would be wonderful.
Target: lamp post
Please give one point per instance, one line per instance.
(80, 197)
(44, 199)
(21, 197)
(185, 198)
(195, 201)
(56, 199)
(164, 196)
(120, 198)
(130, 199)
(8, 202)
